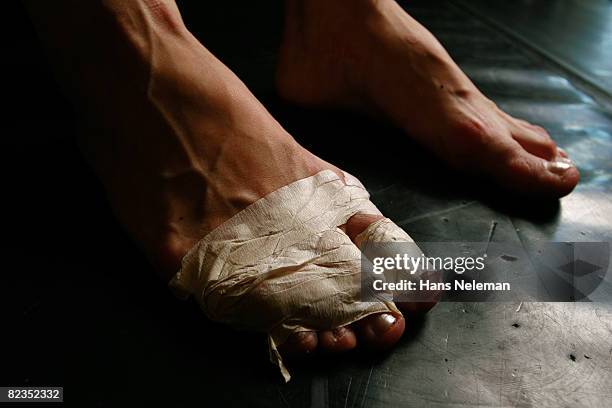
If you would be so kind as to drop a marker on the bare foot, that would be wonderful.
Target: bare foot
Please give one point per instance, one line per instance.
(370, 55)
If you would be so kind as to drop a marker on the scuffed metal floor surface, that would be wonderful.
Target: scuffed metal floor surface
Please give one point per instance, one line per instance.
(575, 34)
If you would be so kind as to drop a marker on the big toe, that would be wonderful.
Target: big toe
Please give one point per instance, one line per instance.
(380, 331)
(383, 330)
(527, 172)
(419, 304)
(532, 163)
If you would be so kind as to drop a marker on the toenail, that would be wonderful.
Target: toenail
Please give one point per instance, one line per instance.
(301, 338)
(560, 165)
(383, 323)
(338, 333)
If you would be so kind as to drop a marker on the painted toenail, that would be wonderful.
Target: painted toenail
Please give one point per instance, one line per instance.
(383, 324)
(560, 165)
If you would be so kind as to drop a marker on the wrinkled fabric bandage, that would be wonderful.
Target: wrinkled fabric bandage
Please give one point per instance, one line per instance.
(283, 265)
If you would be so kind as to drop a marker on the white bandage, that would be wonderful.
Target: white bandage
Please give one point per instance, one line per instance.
(283, 266)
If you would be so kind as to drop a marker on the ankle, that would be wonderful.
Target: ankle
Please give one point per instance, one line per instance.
(318, 48)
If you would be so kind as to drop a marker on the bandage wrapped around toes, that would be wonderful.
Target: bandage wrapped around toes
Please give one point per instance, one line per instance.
(283, 265)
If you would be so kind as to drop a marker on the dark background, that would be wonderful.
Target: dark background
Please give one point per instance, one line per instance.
(81, 308)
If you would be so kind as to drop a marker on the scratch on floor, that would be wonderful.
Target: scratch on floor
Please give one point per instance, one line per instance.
(491, 232)
(365, 391)
(477, 384)
(282, 397)
(348, 391)
(432, 213)
(501, 381)
(319, 393)
(382, 190)
(553, 319)
(518, 309)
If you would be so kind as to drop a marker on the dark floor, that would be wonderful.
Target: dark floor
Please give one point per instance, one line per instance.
(84, 310)
(575, 34)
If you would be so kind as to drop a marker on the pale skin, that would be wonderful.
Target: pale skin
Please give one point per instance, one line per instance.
(181, 144)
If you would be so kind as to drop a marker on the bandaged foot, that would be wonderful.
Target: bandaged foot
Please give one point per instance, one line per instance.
(284, 265)
(187, 155)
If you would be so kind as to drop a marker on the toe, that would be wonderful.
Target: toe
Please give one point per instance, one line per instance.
(421, 307)
(337, 340)
(420, 303)
(531, 174)
(536, 143)
(380, 331)
(301, 343)
(538, 129)
(358, 223)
